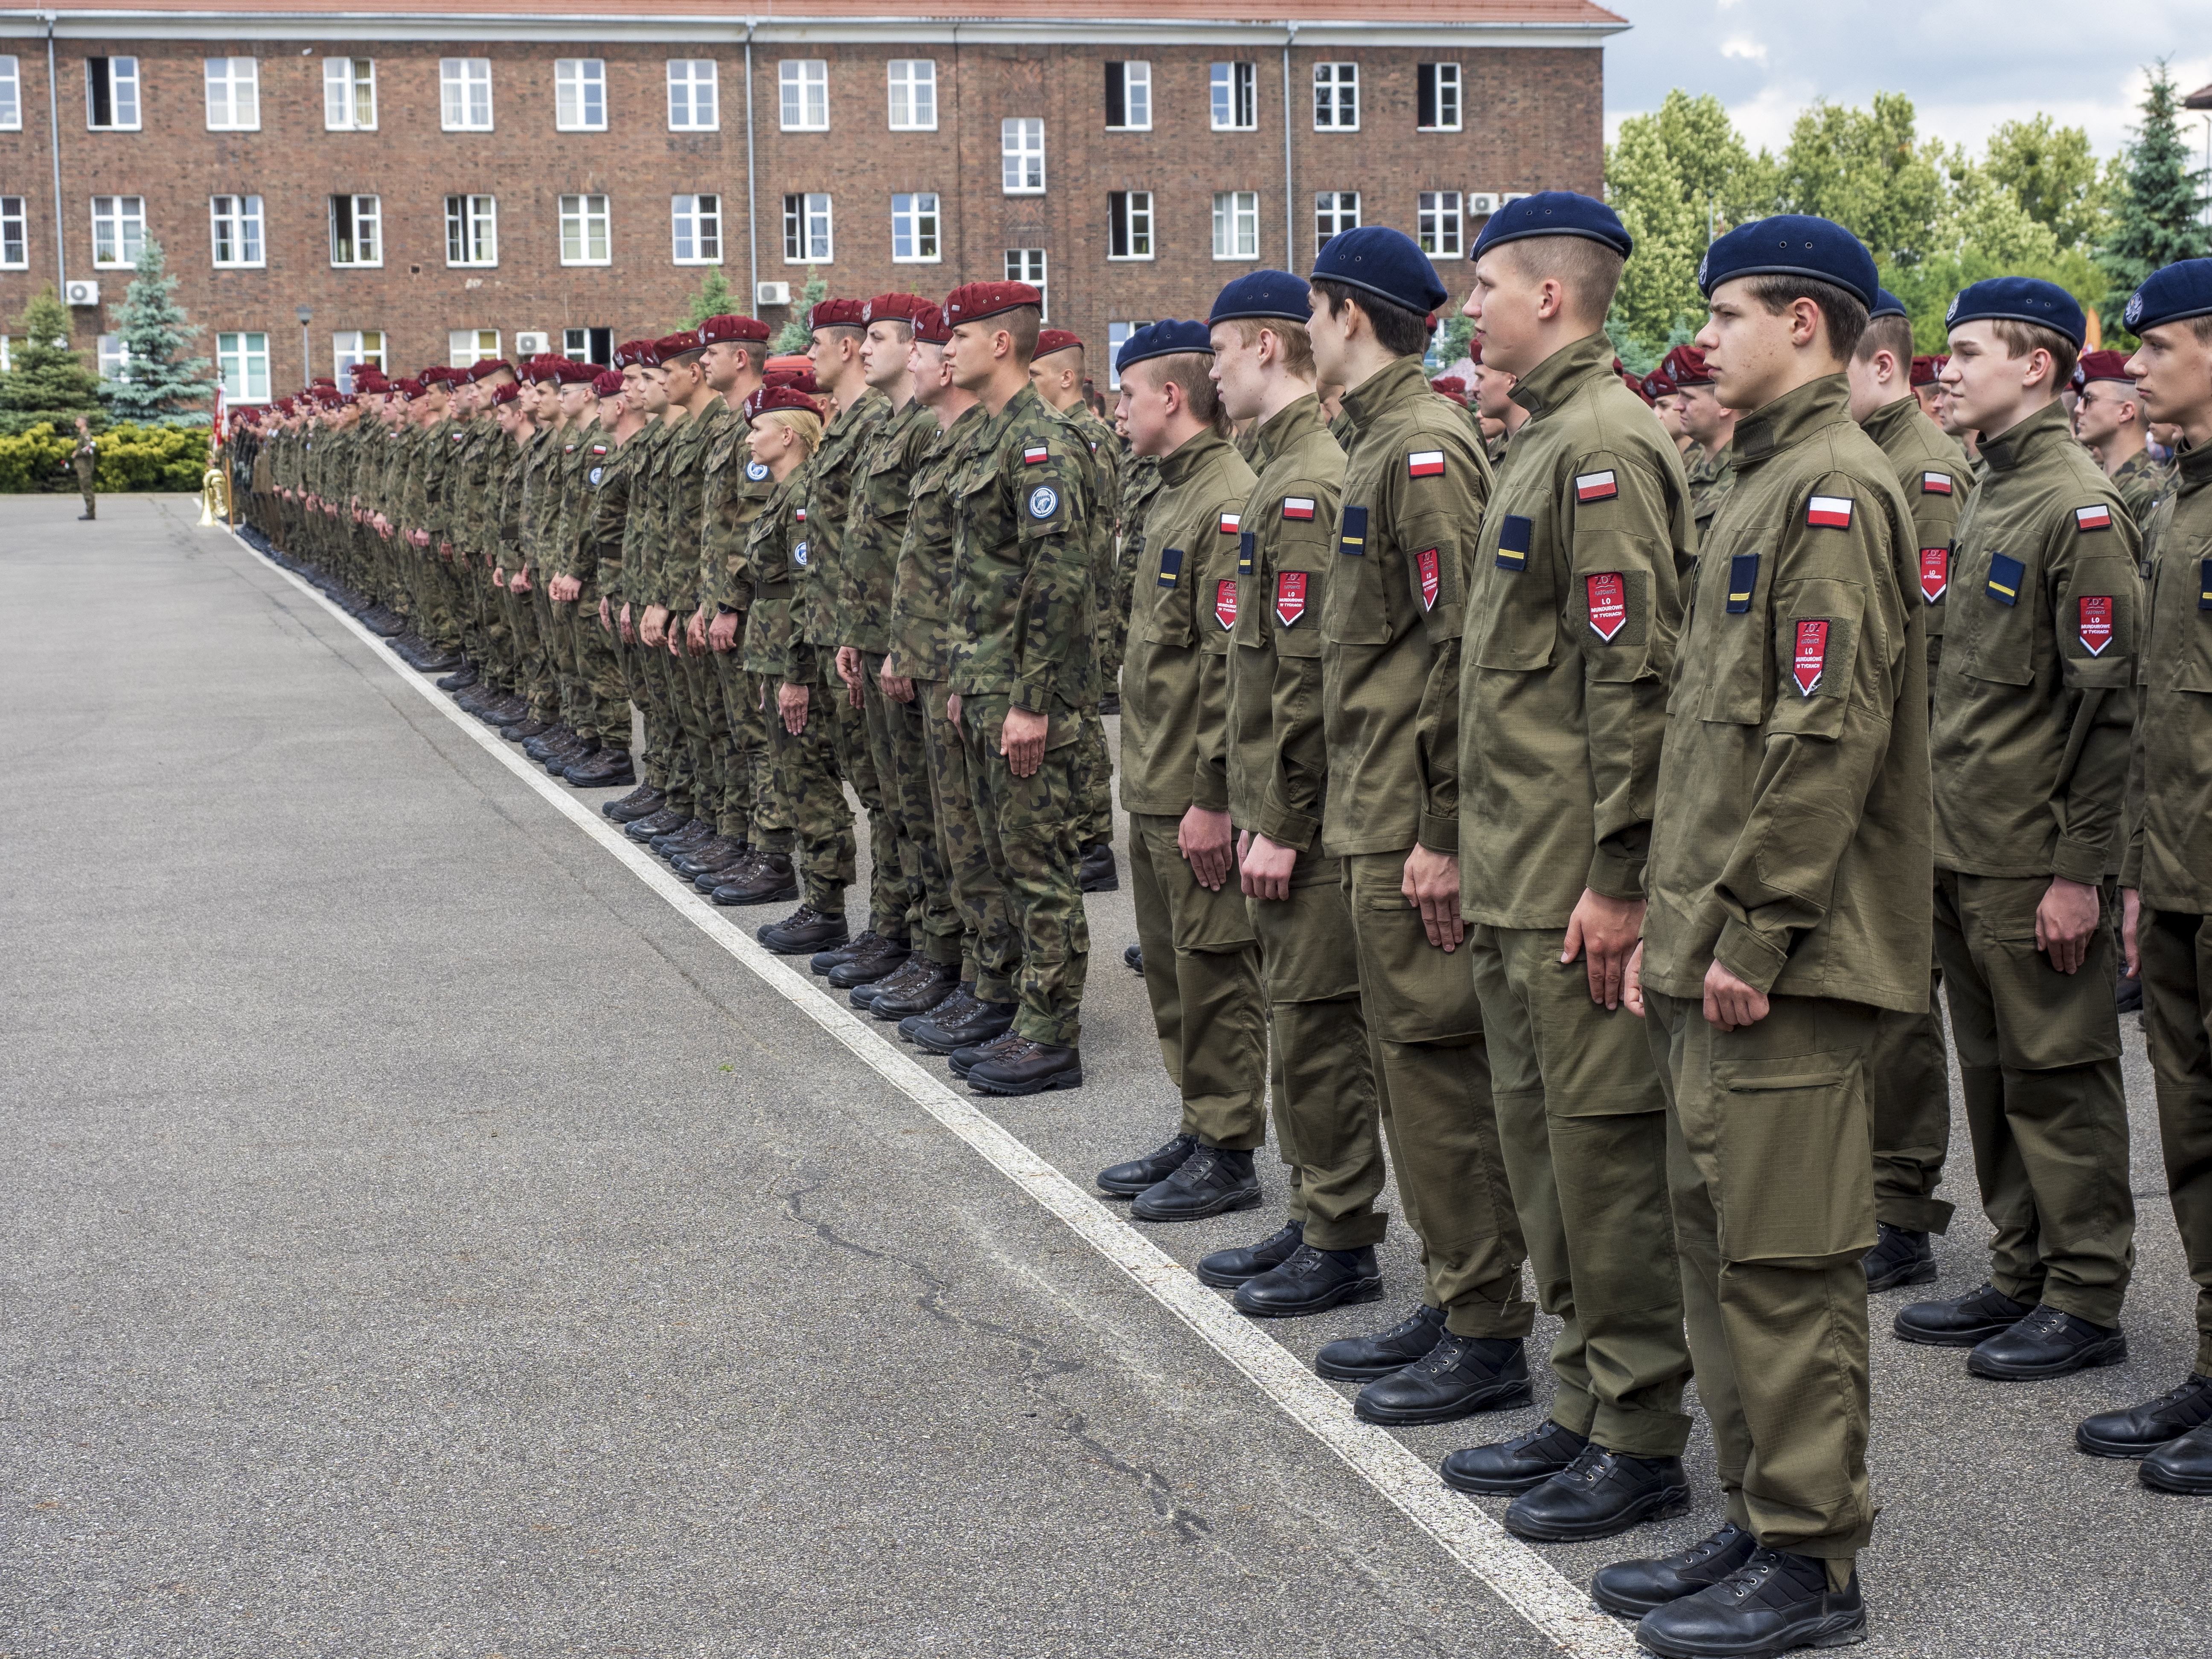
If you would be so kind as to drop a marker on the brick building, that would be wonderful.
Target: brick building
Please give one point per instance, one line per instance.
(413, 184)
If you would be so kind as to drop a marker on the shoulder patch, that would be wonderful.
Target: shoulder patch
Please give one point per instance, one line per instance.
(1596, 486)
(1225, 603)
(1290, 596)
(755, 471)
(2096, 623)
(1934, 572)
(1297, 507)
(802, 515)
(1935, 484)
(1229, 523)
(1044, 501)
(1425, 464)
(1810, 659)
(599, 449)
(1829, 513)
(1608, 603)
(1427, 563)
(798, 553)
(1035, 454)
(2099, 517)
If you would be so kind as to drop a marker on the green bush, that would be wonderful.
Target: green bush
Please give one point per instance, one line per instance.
(130, 458)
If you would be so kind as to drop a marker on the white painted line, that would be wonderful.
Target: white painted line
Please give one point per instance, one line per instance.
(1516, 1574)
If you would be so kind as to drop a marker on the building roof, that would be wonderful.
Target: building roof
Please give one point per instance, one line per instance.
(2200, 98)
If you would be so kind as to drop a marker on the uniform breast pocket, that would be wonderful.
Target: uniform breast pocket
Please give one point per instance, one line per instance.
(1168, 607)
(1995, 603)
(1513, 605)
(1729, 648)
(1357, 609)
(2179, 652)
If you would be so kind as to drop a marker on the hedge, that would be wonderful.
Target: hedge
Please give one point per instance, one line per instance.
(130, 458)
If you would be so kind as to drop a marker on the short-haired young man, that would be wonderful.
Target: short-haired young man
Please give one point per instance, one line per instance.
(2109, 423)
(1791, 813)
(1493, 401)
(1710, 424)
(2034, 700)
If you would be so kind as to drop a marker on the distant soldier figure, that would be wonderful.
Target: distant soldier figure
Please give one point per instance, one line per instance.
(85, 457)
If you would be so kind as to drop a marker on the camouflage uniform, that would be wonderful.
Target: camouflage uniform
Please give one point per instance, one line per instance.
(736, 486)
(1095, 826)
(694, 681)
(815, 826)
(2142, 482)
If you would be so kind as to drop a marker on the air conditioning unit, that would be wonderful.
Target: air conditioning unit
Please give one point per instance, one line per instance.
(771, 294)
(1481, 203)
(527, 345)
(81, 294)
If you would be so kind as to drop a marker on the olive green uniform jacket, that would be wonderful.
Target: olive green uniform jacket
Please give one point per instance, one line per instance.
(1932, 472)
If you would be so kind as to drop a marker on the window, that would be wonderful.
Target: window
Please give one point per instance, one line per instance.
(914, 229)
(691, 105)
(1026, 264)
(465, 347)
(1236, 224)
(1021, 156)
(118, 229)
(242, 360)
(353, 238)
(14, 242)
(233, 94)
(1117, 335)
(1129, 224)
(1129, 97)
(1336, 97)
(237, 224)
(1235, 97)
(1439, 100)
(914, 94)
(588, 345)
(1437, 222)
(114, 356)
(11, 96)
(111, 94)
(349, 95)
(806, 229)
(805, 95)
(362, 347)
(698, 222)
(580, 94)
(584, 238)
(465, 89)
(1335, 211)
(471, 230)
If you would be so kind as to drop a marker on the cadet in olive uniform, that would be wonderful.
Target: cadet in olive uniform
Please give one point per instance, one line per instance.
(1711, 426)
(2167, 874)
(2034, 698)
(1792, 813)
(2109, 423)
(1572, 611)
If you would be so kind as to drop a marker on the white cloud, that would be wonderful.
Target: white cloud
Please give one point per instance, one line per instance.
(1743, 47)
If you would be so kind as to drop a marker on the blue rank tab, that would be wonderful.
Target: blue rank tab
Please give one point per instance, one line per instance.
(1743, 581)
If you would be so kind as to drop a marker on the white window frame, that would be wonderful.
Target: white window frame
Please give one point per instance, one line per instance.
(242, 363)
(700, 217)
(580, 94)
(1439, 223)
(351, 348)
(1027, 264)
(1136, 95)
(577, 210)
(113, 357)
(918, 217)
(122, 212)
(467, 347)
(11, 93)
(1340, 203)
(799, 227)
(248, 228)
(1117, 335)
(122, 88)
(912, 81)
(234, 93)
(804, 106)
(1126, 218)
(460, 80)
(348, 79)
(371, 218)
(694, 96)
(16, 231)
(1021, 141)
(1332, 81)
(1237, 225)
(472, 224)
(1233, 88)
(577, 347)
(1440, 76)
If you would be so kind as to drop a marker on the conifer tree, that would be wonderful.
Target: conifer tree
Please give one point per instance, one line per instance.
(49, 382)
(158, 385)
(795, 335)
(714, 298)
(2156, 213)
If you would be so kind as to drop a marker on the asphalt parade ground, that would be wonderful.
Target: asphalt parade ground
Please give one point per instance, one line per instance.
(428, 1231)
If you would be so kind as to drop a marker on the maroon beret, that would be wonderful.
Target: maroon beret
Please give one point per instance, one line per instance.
(1686, 366)
(481, 371)
(636, 354)
(794, 379)
(836, 313)
(1925, 369)
(2102, 366)
(929, 325)
(769, 399)
(1050, 340)
(568, 373)
(733, 328)
(408, 388)
(608, 383)
(971, 303)
(505, 394)
(669, 347)
(899, 307)
(1447, 383)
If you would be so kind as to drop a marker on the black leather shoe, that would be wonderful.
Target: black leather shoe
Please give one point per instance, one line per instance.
(738, 870)
(539, 746)
(658, 821)
(1096, 872)
(607, 768)
(1634, 1587)
(716, 853)
(1312, 1281)
(1599, 1494)
(951, 1012)
(475, 699)
(436, 661)
(558, 761)
(1140, 1174)
(863, 996)
(929, 986)
(1134, 957)
(641, 802)
(2141, 1430)
(523, 730)
(805, 931)
(823, 961)
(1771, 1604)
(1028, 1067)
(2127, 995)
(1111, 703)
(880, 960)
(967, 1058)
(1899, 1258)
(460, 679)
(769, 879)
(2047, 1343)
(1525, 1461)
(687, 837)
(1364, 1359)
(941, 1034)
(2183, 1466)
(1212, 1179)
(1458, 1377)
(1961, 1322)
(1227, 1269)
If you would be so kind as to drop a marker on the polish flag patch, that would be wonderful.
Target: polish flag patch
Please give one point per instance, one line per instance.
(1290, 596)
(1810, 658)
(1596, 486)
(1425, 562)
(1224, 601)
(802, 515)
(2099, 517)
(1608, 603)
(2096, 623)
(1831, 512)
(1297, 507)
(1232, 523)
(1935, 484)
(1036, 455)
(1934, 572)
(1425, 464)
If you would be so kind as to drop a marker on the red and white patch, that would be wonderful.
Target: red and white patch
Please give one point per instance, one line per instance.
(1935, 484)
(1036, 455)
(1224, 601)
(2099, 517)
(1934, 572)
(1425, 464)
(1829, 512)
(1290, 596)
(802, 515)
(1596, 486)
(1297, 507)
(1431, 578)
(1230, 523)
(1608, 603)
(2096, 623)
(1810, 658)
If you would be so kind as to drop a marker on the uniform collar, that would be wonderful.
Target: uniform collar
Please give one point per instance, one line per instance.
(1403, 380)
(2193, 469)
(1565, 372)
(2138, 462)
(1882, 424)
(1198, 453)
(1790, 419)
(2028, 439)
(1299, 418)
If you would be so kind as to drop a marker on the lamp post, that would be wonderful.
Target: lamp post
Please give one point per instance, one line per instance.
(306, 358)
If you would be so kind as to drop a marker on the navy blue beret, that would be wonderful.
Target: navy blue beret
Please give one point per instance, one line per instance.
(2180, 291)
(2018, 300)
(1887, 305)
(1792, 245)
(1264, 293)
(1383, 262)
(1554, 213)
(1165, 339)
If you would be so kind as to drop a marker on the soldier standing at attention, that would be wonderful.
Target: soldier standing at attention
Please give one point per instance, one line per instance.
(2109, 423)
(1414, 485)
(1572, 611)
(2166, 879)
(1791, 819)
(1710, 424)
(1908, 1075)
(1493, 400)
(2034, 700)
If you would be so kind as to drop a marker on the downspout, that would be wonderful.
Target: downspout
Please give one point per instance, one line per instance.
(752, 210)
(54, 142)
(1290, 193)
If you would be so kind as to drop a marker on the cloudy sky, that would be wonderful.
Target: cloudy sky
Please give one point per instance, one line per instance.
(1967, 64)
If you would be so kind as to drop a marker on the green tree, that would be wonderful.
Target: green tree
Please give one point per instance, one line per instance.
(49, 382)
(2054, 174)
(1659, 288)
(714, 298)
(158, 385)
(2155, 215)
(795, 335)
(1723, 183)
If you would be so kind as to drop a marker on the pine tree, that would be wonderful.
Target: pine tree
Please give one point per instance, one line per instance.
(795, 337)
(2154, 216)
(715, 298)
(157, 385)
(49, 382)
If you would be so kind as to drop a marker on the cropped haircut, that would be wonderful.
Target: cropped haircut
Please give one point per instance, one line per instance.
(2021, 339)
(1024, 323)
(1400, 332)
(1890, 334)
(1189, 371)
(807, 426)
(756, 353)
(2202, 328)
(1845, 312)
(1295, 339)
(1589, 272)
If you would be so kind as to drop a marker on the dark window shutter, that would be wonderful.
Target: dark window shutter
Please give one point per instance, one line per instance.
(1117, 100)
(1117, 223)
(1427, 116)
